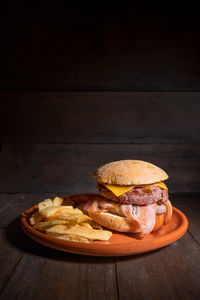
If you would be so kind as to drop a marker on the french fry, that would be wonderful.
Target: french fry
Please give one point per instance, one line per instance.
(66, 222)
(52, 210)
(78, 230)
(73, 217)
(32, 221)
(57, 201)
(69, 210)
(42, 226)
(44, 204)
(87, 225)
(69, 237)
(66, 207)
(83, 218)
(35, 218)
(49, 211)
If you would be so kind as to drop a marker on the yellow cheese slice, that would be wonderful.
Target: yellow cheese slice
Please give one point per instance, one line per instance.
(118, 190)
(160, 184)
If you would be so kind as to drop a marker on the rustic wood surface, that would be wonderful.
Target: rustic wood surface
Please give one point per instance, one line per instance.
(9, 259)
(190, 205)
(162, 274)
(30, 270)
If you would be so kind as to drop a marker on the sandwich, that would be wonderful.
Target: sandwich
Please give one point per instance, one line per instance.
(132, 197)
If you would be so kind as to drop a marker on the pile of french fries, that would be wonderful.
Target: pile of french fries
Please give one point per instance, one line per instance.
(61, 220)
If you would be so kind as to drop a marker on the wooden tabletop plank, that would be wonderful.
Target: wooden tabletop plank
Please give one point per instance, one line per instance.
(189, 204)
(170, 273)
(47, 273)
(69, 168)
(138, 275)
(99, 117)
(51, 274)
(9, 259)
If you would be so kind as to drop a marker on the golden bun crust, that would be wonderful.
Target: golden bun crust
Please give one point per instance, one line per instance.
(129, 172)
(114, 222)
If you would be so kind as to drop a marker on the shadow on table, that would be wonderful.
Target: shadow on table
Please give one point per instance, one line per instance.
(17, 238)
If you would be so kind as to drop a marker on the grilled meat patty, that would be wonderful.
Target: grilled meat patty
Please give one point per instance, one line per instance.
(137, 196)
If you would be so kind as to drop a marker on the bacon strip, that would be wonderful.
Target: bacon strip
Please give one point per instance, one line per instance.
(144, 215)
(92, 206)
(87, 205)
(95, 205)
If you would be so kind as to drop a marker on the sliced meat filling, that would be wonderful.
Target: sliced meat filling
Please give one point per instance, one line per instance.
(137, 196)
(161, 209)
(145, 215)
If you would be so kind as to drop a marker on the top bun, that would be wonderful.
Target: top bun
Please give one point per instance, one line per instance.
(129, 172)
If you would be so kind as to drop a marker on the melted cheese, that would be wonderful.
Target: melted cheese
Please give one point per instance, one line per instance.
(118, 190)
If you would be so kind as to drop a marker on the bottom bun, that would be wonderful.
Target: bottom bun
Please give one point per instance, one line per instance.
(121, 224)
(115, 222)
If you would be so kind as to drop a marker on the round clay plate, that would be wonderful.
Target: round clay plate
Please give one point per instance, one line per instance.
(120, 244)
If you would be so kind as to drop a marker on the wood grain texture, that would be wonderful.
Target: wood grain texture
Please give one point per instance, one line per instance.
(46, 273)
(102, 49)
(69, 169)
(99, 117)
(56, 275)
(9, 259)
(138, 276)
(190, 205)
(169, 273)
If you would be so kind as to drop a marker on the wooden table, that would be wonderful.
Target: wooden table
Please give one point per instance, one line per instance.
(98, 85)
(32, 271)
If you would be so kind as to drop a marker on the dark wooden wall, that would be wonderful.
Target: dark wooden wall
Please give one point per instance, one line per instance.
(90, 84)
(138, 45)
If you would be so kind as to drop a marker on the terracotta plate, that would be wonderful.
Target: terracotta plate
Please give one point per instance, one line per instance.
(119, 244)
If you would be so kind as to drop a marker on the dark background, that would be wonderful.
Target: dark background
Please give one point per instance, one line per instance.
(82, 84)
